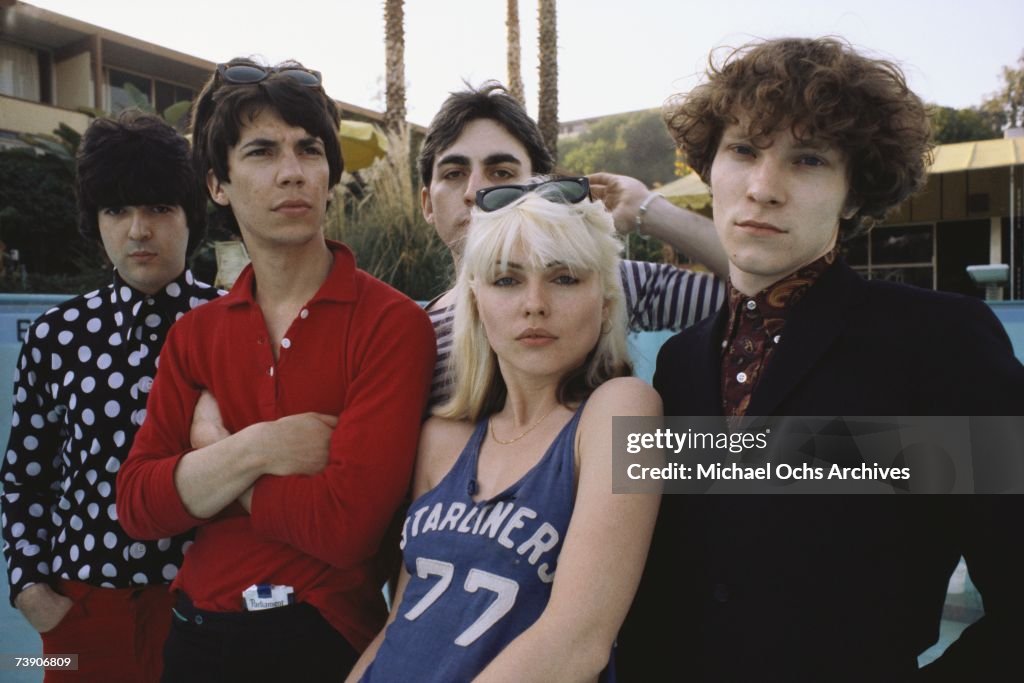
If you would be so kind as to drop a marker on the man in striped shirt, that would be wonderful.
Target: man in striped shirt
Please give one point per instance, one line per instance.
(484, 137)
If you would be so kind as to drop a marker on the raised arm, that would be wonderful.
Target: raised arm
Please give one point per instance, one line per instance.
(686, 231)
(602, 559)
(660, 296)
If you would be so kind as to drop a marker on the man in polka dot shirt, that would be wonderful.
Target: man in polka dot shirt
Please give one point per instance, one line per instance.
(81, 386)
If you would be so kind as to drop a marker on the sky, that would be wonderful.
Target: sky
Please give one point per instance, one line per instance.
(613, 55)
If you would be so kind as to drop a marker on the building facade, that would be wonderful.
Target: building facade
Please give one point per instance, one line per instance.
(969, 214)
(54, 68)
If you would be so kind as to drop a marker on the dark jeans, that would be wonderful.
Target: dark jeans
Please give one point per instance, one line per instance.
(291, 643)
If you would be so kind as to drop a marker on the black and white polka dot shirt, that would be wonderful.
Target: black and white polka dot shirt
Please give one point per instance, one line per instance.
(80, 390)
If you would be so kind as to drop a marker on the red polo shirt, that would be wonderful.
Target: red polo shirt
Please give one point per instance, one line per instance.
(358, 349)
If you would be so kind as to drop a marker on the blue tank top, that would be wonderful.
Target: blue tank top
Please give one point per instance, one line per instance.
(480, 572)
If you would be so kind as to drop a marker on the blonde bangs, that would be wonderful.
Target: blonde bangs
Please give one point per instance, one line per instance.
(543, 232)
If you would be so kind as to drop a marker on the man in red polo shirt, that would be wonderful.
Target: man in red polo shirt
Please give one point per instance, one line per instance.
(320, 373)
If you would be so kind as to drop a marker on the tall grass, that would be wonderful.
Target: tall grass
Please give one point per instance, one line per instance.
(385, 228)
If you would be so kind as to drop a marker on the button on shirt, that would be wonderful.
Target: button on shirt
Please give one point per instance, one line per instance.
(755, 330)
(80, 390)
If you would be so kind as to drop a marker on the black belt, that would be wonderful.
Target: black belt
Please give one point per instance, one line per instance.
(266, 619)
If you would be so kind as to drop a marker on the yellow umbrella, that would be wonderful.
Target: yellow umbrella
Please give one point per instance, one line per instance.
(688, 192)
(361, 144)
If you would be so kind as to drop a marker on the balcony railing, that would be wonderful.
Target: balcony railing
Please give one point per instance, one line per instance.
(25, 116)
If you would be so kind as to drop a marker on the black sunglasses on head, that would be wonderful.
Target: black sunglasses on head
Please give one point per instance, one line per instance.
(248, 74)
(566, 190)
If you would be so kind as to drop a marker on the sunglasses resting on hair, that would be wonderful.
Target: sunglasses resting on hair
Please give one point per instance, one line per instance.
(567, 190)
(248, 74)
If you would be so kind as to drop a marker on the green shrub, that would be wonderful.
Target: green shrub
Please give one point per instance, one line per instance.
(38, 217)
(383, 224)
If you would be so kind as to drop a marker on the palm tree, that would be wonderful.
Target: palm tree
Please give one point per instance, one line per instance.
(515, 71)
(547, 109)
(394, 57)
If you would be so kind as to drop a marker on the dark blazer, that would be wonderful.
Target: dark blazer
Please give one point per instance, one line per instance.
(837, 588)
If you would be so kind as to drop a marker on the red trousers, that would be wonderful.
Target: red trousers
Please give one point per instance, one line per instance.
(117, 633)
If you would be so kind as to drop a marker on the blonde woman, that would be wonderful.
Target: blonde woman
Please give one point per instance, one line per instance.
(519, 562)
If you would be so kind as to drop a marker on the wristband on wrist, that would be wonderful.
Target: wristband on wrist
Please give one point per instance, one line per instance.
(642, 211)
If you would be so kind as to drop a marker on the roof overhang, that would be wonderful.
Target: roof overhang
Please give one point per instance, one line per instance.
(972, 156)
(66, 36)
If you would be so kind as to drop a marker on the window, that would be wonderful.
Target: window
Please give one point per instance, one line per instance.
(168, 94)
(910, 244)
(899, 254)
(134, 90)
(128, 90)
(19, 72)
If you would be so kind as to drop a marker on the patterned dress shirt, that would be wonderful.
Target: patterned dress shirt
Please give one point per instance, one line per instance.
(755, 330)
(80, 391)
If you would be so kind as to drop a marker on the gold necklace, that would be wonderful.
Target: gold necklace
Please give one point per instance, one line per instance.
(490, 426)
